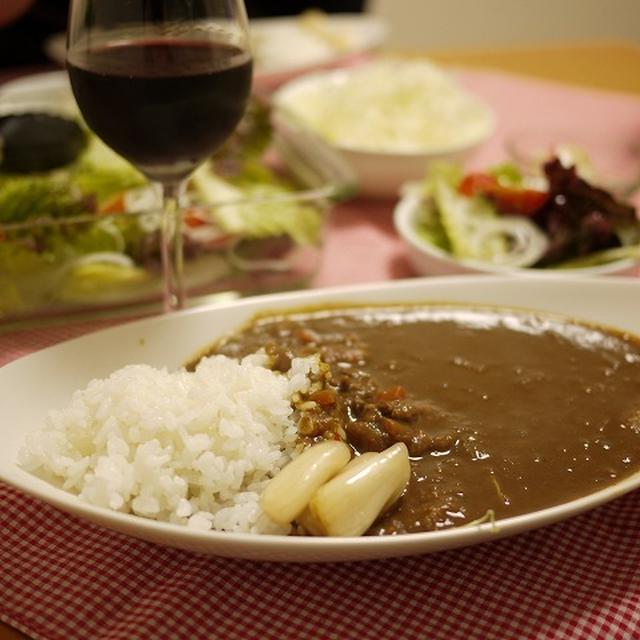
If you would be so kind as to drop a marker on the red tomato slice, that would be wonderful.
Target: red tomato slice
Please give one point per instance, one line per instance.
(115, 204)
(193, 218)
(508, 200)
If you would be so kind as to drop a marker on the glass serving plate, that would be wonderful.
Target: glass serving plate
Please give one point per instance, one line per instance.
(233, 244)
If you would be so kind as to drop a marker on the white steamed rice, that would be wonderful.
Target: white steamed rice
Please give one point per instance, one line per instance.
(194, 448)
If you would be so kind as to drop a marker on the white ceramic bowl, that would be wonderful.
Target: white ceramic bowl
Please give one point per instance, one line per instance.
(382, 164)
(430, 260)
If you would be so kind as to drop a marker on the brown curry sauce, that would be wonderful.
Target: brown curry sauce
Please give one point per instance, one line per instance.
(501, 410)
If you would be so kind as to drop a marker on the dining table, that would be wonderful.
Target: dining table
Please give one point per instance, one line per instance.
(63, 578)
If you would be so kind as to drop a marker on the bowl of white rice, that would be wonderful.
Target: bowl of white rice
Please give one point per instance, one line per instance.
(390, 118)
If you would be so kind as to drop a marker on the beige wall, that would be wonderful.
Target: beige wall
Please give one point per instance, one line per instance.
(439, 24)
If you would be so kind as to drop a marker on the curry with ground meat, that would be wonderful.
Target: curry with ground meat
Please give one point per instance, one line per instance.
(502, 411)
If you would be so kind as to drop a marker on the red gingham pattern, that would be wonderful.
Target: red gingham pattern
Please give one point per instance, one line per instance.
(63, 578)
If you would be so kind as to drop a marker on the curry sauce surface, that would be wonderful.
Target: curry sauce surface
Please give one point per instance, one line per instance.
(503, 411)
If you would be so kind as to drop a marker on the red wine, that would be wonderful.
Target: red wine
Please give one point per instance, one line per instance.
(163, 105)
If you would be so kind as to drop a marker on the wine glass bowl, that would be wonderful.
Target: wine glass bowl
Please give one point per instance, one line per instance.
(163, 83)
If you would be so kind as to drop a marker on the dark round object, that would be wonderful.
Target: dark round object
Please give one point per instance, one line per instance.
(32, 142)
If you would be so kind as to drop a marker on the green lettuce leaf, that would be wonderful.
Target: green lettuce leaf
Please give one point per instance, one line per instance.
(461, 216)
(28, 197)
(258, 211)
(102, 173)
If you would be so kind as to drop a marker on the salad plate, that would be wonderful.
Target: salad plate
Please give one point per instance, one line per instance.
(428, 259)
(31, 386)
(549, 220)
(83, 237)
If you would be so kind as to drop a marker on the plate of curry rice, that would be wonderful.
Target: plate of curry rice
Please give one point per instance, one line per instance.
(341, 424)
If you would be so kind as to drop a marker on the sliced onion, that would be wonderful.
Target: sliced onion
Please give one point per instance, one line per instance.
(526, 243)
(105, 257)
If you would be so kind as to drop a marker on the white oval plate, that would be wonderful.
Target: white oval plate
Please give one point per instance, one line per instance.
(30, 386)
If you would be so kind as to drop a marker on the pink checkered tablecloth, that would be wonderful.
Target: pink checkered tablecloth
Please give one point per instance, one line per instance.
(64, 579)
(61, 578)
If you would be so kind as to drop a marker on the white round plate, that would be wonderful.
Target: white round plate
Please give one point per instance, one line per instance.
(30, 386)
(282, 46)
(316, 41)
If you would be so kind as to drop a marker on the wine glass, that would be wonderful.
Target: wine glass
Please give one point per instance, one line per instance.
(163, 83)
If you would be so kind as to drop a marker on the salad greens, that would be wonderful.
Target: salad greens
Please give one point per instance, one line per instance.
(497, 217)
(581, 219)
(24, 198)
(471, 227)
(257, 211)
(89, 230)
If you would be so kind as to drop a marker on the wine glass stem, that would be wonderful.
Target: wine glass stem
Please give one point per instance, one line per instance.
(173, 296)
